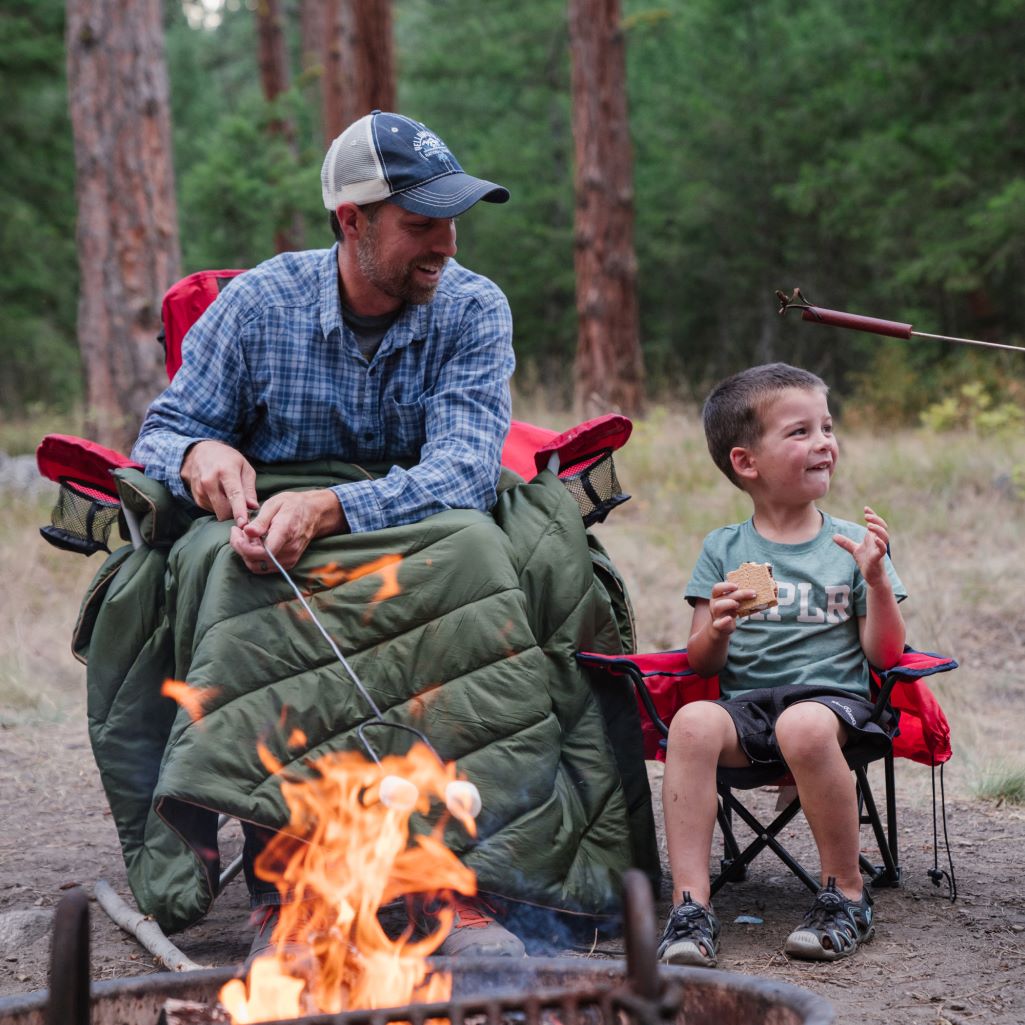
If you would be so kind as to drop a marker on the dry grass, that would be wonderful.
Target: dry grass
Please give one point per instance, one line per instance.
(39, 678)
(958, 529)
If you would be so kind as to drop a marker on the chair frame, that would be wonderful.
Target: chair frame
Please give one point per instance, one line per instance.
(735, 858)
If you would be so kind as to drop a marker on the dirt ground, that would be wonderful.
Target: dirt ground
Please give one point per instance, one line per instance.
(932, 962)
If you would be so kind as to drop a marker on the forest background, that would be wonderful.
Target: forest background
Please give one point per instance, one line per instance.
(871, 154)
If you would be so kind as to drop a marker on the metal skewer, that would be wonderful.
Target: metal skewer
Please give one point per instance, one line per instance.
(873, 325)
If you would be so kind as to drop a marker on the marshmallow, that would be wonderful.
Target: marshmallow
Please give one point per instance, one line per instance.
(462, 798)
(399, 793)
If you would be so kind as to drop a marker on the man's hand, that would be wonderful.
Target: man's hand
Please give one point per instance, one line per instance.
(221, 480)
(869, 554)
(287, 523)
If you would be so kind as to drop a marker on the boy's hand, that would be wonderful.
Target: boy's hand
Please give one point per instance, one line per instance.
(870, 552)
(723, 606)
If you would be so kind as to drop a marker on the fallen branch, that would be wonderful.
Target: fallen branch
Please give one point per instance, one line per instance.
(144, 929)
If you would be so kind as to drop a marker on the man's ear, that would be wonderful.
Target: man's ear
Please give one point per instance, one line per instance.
(349, 220)
(743, 462)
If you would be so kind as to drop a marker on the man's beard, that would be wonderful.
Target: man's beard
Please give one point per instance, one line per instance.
(392, 278)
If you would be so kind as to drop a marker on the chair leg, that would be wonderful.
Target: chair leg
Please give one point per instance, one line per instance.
(889, 873)
(731, 868)
(765, 836)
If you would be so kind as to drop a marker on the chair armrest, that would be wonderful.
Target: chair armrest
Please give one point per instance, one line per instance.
(924, 732)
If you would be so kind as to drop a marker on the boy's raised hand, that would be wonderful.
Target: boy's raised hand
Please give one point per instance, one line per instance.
(870, 552)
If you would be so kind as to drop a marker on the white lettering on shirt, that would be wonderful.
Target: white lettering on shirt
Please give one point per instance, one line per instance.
(807, 614)
(838, 603)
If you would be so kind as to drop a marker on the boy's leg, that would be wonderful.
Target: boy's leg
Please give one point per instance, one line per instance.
(811, 739)
(701, 738)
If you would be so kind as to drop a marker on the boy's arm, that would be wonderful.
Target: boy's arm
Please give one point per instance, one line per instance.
(711, 625)
(881, 629)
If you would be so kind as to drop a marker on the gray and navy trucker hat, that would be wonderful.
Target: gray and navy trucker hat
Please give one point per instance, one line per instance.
(388, 156)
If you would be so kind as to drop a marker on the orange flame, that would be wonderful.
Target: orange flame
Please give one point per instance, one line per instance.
(345, 855)
(387, 565)
(190, 698)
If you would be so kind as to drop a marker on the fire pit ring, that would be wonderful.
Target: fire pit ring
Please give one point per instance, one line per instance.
(493, 991)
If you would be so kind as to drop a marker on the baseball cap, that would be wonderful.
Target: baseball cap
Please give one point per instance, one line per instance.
(389, 156)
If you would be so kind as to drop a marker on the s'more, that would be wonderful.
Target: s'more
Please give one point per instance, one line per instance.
(755, 576)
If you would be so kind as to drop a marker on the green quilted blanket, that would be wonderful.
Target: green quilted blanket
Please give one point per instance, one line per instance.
(464, 626)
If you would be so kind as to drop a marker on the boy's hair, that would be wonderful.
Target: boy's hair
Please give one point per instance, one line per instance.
(732, 413)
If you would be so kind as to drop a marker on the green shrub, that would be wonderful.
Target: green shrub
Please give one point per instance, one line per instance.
(973, 407)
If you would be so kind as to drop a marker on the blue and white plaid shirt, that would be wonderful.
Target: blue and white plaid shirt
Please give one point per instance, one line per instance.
(271, 369)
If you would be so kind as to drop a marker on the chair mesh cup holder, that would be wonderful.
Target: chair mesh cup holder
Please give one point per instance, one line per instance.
(83, 518)
(593, 483)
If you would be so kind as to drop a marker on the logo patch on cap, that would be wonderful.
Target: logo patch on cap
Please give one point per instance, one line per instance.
(428, 146)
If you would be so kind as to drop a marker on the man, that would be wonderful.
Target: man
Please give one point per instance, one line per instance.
(380, 349)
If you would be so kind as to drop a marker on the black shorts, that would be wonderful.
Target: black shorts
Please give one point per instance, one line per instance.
(754, 716)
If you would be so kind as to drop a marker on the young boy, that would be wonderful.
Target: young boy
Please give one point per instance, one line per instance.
(794, 680)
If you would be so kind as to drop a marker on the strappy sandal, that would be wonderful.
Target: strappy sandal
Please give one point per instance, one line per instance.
(834, 927)
(691, 935)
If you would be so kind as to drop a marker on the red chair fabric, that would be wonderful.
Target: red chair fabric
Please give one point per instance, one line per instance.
(924, 730)
(183, 304)
(66, 457)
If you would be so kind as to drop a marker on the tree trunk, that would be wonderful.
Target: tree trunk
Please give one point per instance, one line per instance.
(127, 231)
(313, 28)
(339, 82)
(359, 62)
(375, 54)
(608, 370)
(274, 80)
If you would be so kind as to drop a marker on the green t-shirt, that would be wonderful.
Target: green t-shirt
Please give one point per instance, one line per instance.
(812, 636)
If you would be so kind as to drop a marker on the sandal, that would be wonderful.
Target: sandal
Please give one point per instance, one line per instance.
(834, 927)
(691, 935)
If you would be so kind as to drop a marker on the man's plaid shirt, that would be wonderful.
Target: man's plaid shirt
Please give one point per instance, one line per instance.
(271, 370)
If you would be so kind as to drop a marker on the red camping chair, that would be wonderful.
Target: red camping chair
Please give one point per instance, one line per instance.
(664, 683)
(88, 507)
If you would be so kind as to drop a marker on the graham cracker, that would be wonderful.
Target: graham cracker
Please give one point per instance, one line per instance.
(756, 576)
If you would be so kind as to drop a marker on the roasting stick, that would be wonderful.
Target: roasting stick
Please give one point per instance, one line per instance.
(873, 325)
(144, 929)
(461, 796)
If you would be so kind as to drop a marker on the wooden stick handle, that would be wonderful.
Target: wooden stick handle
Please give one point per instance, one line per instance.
(873, 325)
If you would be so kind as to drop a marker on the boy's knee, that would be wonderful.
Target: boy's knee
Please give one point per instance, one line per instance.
(701, 725)
(808, 728)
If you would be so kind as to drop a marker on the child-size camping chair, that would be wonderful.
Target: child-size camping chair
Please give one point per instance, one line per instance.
(664, 683)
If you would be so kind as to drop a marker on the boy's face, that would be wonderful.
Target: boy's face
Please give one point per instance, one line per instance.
(798, 452)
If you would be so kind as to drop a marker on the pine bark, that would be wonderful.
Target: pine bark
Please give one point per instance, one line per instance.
(274, 80)
(608, 369)
(127, 231)
(359, 62)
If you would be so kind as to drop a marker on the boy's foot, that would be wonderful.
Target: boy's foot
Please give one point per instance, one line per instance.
(834, 927)
(691, 935)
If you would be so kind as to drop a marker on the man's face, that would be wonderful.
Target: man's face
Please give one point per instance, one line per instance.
(402, 254)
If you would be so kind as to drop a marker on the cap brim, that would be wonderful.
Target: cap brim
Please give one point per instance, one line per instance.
(449, 195)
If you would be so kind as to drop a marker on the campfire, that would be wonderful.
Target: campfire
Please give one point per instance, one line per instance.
(347, 852)
(497, 991)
